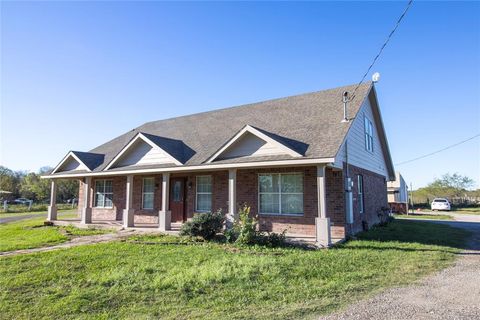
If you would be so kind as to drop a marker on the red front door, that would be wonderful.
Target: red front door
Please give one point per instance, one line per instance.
(177, 199)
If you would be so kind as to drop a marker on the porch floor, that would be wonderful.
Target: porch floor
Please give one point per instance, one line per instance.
(175, 229)
(117, 225)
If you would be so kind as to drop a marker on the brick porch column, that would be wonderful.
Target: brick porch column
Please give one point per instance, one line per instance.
(129, 212)
(165, 215)
(86, 213)
(322, 223)
(52, 208)
(232, 197)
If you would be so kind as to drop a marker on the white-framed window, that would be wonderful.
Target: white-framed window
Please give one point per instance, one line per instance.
(368, 134)
(203, 201)
(148, 193)
(103, 193)
(280, 193)
(361, 205)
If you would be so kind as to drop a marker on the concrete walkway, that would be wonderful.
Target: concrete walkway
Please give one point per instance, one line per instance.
(453, 293)
(79, 241)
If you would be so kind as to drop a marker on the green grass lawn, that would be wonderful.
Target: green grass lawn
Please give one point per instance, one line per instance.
(138, 279)
(425, 216)
(31, 233)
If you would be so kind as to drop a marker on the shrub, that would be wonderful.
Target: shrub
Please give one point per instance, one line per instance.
(244, 232)
(247, 227)
(204, 225)
(384, 216)
(271, 239)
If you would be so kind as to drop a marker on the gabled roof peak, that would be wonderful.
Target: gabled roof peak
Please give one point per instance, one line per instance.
(276, 144)
(84, 161)
(172, 149)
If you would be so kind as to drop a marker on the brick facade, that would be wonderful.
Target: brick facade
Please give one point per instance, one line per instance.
(114, 213)
(219, 190)
(247, 192)
(335, 193)
(398, 207)
(147, 215)
(375, 197)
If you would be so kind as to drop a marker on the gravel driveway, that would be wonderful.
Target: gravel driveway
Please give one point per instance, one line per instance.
(453, 293)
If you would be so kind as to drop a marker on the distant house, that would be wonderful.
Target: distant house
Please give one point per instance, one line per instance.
(293, 160)
(398, 194)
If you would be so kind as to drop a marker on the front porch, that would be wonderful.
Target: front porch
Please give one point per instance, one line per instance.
(161, 202)
(175, 229)
(117, 225)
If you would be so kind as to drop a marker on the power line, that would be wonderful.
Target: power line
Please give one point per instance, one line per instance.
(435, 152)
(383, 47)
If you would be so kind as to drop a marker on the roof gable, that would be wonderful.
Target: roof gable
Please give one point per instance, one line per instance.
(147, 149)
(79, 161)
(251, 141)
(353, 148)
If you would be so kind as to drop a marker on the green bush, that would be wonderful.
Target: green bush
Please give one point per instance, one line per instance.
(273, 239)
(205, 225)
(244, 232)
(247, 227)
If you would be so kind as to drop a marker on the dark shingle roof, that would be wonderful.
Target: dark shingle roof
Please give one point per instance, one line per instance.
(308, 123)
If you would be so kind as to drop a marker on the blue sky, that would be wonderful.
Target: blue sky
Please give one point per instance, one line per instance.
(76, 74)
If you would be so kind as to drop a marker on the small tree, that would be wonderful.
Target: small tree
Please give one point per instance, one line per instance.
(245, 231)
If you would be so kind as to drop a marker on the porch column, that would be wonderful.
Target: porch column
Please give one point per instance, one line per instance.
(232, 197)
(165, 215)
(129, 212)
(52, 208)
(322, 223)
(86, 213)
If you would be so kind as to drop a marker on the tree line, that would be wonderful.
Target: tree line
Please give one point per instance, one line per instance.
(455, 187)
(21, 184)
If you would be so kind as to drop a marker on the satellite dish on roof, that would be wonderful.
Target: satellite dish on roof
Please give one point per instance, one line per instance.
(375, 77)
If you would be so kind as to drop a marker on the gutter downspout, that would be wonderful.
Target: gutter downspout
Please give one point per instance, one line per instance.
(348, 189)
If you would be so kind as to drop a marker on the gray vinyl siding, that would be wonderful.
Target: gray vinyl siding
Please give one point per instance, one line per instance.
(250, 145)
(358, 155)
(141, 153)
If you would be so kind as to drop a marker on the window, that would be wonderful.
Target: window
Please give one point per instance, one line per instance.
(368, 135)
(280, 193)
(204, 194)
(103, 193)
(360, 193)
(177, 191)
(147, 193)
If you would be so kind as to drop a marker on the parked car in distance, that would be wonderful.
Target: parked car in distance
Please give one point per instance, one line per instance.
(440, 204)
(22, 201)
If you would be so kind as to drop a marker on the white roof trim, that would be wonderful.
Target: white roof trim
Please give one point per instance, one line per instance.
(259, 164)
(74, 156)
(150, 142)
(260, 135)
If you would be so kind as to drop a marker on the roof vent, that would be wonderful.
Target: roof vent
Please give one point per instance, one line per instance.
(345, 101)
